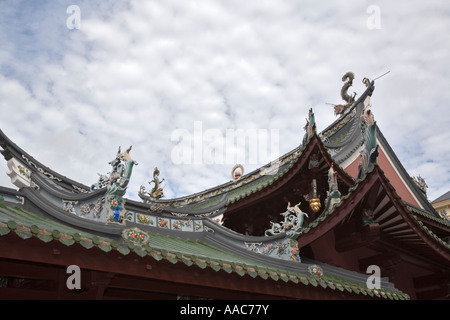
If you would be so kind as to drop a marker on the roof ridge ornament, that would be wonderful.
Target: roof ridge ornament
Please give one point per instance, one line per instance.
(310, 127)
(313, 198)
(369, 153)
(333, 193)
(117, 181)
(350, 99)
(420, 182)
(292, 224)
(157, 191)
(237, 174)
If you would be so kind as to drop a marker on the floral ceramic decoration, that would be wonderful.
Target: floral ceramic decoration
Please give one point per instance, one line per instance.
(116, 209)
(142, 218)
(163, 223)
(315, 270)
(198, 226)
(135, 235)
(293, 250)
(182, 225)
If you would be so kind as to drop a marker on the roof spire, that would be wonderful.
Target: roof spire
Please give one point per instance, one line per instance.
(310, 126)
(118, 179)
(420, 182)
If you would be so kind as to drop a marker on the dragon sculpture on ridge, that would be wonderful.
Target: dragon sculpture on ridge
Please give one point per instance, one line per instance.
(340, 108)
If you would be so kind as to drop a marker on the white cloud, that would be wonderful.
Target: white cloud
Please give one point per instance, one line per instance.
(138, 70)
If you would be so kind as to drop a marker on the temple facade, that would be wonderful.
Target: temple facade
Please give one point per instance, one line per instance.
(338, 217)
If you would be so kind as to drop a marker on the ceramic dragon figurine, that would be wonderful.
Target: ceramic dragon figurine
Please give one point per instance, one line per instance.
(340, 109)
(120, 177)
(117, 180)
(292, 224)
(157, 191)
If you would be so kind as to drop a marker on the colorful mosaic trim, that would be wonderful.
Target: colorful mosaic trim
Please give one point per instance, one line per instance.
(315, 270)
(286, 249)
(177, 224)
(88, 241)
(92, 210)
(24, 171)
(181, 202)
(116, 209)
(135, 235)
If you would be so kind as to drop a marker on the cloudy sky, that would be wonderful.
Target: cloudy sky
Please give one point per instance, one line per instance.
(173, 78)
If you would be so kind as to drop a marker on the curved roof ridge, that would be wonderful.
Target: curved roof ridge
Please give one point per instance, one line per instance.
(367, 92)
(12, 150)
(229, 185)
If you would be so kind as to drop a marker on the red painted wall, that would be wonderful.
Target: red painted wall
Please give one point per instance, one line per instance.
(390, 173)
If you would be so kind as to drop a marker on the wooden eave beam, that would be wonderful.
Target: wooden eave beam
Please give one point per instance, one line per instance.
(443, 292)
(178, 275)
(431, 280)
(360, 237)
(406, 216)
(340, 212)
(383, 260)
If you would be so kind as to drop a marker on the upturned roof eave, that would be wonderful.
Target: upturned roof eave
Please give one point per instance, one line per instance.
(418, 194)
(324, 223)
(10, 150)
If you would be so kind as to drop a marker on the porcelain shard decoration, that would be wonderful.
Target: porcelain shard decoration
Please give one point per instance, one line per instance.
(157, 191)
(116, 209)
(369, 152)
(315, 270)
(285, 249)
(19, 174)
(117, 180)
(333, 193)
(237, 172)
(135, 235)
(420, 182)
(350, 99)
(292, 223)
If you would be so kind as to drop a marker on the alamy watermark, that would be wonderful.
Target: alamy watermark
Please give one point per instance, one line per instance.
(374, 280)
(374, 20)
(74, 280)
(74, 20)
(229, 146)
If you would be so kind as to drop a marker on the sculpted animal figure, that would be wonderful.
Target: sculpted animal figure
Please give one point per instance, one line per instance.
(157, 191)
(119, 184)
(292, 224)
(349, 77)
(340, 109)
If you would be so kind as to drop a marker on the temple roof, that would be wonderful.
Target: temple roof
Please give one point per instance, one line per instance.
(23, 224)
(197, 229)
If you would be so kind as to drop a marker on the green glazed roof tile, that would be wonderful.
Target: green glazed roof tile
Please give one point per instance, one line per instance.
(26, 224)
